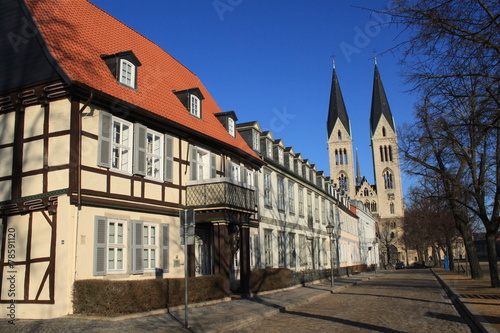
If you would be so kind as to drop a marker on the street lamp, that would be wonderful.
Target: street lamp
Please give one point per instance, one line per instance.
(329, 230)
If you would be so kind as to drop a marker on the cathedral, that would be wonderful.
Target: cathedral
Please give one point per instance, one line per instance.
(384, 198)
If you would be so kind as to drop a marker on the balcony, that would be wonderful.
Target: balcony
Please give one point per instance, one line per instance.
(220, 193)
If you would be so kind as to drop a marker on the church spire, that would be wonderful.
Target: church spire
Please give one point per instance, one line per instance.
(380, 105)
(359, 178)
(337, 108)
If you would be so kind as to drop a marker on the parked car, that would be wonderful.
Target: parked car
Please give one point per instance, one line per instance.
(400, 265)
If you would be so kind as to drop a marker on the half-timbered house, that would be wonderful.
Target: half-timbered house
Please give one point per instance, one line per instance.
(104, 138)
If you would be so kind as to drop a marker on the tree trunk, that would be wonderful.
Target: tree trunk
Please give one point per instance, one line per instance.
(449, 250)
(475, 268)
(492, 258)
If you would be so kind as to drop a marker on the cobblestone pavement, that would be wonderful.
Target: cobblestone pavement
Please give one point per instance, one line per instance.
(400, 301)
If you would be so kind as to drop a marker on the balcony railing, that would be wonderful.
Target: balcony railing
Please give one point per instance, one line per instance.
(220, 192)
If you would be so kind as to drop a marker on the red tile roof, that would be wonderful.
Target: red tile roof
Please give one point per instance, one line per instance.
(78, 33)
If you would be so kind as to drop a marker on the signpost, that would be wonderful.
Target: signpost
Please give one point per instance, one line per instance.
(187, 238)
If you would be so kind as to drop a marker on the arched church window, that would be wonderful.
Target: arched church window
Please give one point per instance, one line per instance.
(367, 205)
(386, 154)
(345, 156)
(383, 131)
(336, 157)
(366, 192)
(390, 153)
(391, 207)
(381, 154)
(388, 180)
(343, 182)
(340, 135)
(374, 206)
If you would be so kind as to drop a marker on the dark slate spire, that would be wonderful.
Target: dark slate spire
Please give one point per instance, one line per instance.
(380, 105)
(337, 108)
(359, 178)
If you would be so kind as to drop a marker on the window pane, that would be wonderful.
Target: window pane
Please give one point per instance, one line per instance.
(145, 235)
(119, 259)
(111, 259)
(111, 233)
(153, 259)
(145, 258)
(153, 234)
(119, 234)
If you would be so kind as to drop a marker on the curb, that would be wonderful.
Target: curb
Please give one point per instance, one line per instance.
(476, 322)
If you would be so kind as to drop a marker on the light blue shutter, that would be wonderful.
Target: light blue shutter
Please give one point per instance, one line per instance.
(140, 143)
(169, 158)
(194, 163)
(136, 247)
(213, 165)
(100, 245)
(164, 247)
(104, 141)
(243, 172)
(229, 170)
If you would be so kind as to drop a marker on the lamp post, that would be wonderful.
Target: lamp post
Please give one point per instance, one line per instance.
(329, 230)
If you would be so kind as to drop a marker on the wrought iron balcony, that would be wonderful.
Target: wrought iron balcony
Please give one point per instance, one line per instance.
(220, 192)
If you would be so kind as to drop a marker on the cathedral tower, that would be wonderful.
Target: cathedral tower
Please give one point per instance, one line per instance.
(340, 140)
(386, 167)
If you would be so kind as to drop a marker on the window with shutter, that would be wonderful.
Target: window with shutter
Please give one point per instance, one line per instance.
(100, 244)
(136, 247)
(169, 158)
(104, 141)
(139, 166)
(165, 247)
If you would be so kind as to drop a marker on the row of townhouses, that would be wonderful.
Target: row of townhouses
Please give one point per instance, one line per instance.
(105, 138)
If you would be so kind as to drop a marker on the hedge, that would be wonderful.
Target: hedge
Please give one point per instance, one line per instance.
(270, 279)
(114, 298)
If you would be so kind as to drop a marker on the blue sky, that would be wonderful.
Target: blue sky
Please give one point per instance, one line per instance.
(271, 61)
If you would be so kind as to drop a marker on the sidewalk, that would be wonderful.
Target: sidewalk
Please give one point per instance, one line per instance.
(475, 297)
(211, 318)
(482, 304)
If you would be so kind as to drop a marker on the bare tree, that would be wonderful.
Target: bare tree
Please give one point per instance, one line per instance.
(452, 54)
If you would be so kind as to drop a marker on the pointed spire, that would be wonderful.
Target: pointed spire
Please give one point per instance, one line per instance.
(337, 108)
(358, 170)
(380, 105)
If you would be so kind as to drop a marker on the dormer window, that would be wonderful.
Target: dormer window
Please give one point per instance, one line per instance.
(123, 67)
(127, 73)
(194, 107)
(192, 100)
(256, 141)
(269, 149)
(230, 126)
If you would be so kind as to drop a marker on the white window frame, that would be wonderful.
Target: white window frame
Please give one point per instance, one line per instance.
(119, 146)
(202, 164)
(148, 248)
(301, 201)
(291, 197)
(154, 155)
(230, 126)
(281, 193)
(195, 106)
(281, 248)
(292, 254)
(256, 140)
(268, 247)
(127, 73)
(116, 247)
(267, 189)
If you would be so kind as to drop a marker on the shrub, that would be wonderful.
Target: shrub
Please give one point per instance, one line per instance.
(270, 279)
(113, 298)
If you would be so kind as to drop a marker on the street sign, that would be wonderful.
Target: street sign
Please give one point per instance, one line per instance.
(187, 226)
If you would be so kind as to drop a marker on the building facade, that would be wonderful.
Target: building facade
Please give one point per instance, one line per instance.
(104, 141)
